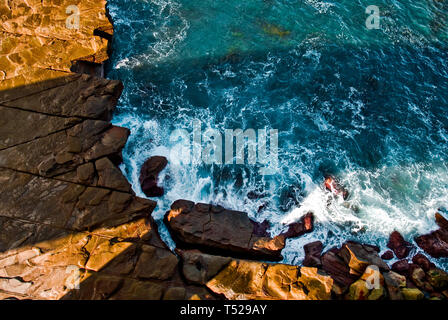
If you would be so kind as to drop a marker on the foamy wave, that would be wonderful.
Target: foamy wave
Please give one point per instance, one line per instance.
(166, 36)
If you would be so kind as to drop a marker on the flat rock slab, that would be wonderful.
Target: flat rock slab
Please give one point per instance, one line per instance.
(217, 230)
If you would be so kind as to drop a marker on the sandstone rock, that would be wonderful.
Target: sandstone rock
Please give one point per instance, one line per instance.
(104, 252)
(377, 294)
(14, 285)
(399, 246)
(109, 176)
(318, 285)
(313, 251)
(438, 279)
(434, 243)
(148, 176)
(96, 98)
(39, 46)
(242, 279)
(277, 280)
(217, 230)
(418, 277)
(86, 173)
(358, 257)
(395, 282)
(69, 217)
(334, 187)
(412, 294)
(95, 287)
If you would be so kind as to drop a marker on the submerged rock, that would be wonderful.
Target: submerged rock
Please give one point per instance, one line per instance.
(401, 267)
(332, 185)
(148, 176)
(418, 277)
(412, 294)
(358, 291)
(438, 279)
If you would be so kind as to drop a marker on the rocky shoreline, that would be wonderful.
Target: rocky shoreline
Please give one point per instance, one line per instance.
(72, 228)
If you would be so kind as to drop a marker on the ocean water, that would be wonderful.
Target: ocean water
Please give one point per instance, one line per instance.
(368, 106)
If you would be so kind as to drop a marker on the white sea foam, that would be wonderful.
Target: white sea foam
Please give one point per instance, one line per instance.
(166, 36)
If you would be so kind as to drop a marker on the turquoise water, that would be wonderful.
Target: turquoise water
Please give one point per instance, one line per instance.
(368, 106)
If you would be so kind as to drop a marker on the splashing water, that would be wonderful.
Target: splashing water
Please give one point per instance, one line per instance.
(368, 106)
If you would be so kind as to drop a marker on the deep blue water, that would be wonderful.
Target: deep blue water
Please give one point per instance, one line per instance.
(367, 106)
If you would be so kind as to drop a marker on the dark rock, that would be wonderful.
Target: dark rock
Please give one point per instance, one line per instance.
(401, 267)
(388, 255)
(418, 277)
(219, 231)
(290, 197)
(297, 229)
(148, 176)
(313, 251)
(399, 246)
(422, 261)
(394, 283)
(332, 185)
(441, 221)
(434, 243)
(198, 267)
(337, 269)
(261, 229)
(358, 257)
